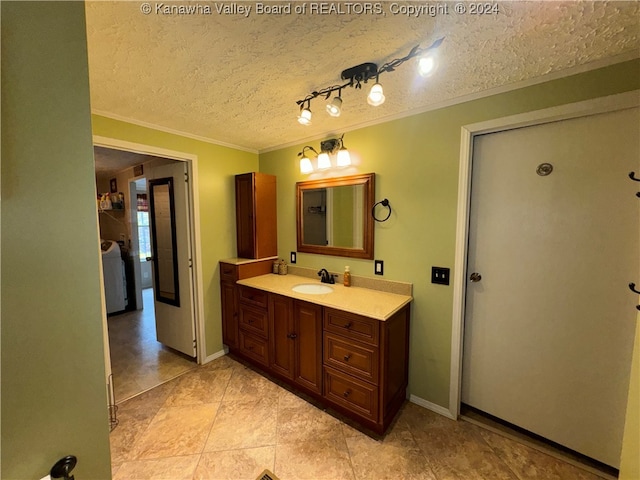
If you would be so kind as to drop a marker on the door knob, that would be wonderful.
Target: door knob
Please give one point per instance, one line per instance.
(475, 277)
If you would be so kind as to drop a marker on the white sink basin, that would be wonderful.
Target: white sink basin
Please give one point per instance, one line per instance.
(312, 288)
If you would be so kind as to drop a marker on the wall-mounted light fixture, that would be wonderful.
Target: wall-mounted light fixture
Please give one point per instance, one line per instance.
(323, 159)
(356, 76)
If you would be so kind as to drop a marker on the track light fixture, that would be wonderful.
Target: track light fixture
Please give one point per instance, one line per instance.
(356, 76)
(323, 159)
(305, 115)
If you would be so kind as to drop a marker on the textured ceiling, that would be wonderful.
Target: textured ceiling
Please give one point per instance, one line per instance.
(235, 79)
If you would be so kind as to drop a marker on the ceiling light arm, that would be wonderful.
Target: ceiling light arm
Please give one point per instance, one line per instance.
(415, 52)
(326, 92)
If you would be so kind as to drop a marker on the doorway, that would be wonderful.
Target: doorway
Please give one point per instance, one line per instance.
(549, 321)
(137, 358)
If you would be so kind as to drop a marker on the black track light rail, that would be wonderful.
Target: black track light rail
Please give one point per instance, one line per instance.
(365, 72)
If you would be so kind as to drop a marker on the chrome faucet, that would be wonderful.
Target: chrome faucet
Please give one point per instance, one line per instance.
(325, 277)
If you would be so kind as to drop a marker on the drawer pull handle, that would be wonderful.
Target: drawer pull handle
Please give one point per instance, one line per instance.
(348, 325)
(292, 336)
(347, 357)
(346, 393)
(249, 347)
(251, 320)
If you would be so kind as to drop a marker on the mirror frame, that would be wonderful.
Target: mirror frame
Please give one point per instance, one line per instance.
(365, 179)
(152, 184)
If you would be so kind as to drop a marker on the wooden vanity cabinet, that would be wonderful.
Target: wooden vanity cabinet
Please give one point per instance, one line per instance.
(229, 274)
(295, 343)
(256, 217)
(366, 365)
(354, 364)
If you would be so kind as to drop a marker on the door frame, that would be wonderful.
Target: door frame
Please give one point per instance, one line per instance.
(468, 132)
(194, 223)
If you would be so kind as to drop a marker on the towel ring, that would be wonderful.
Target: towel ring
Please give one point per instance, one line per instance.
(384, 203)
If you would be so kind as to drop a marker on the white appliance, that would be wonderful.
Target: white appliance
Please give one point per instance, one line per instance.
(115, 283)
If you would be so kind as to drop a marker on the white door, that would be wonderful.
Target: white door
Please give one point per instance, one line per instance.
(549, 325)
(169, 220)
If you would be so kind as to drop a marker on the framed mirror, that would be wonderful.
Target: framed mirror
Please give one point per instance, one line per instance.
(333, 217)
(163, 235)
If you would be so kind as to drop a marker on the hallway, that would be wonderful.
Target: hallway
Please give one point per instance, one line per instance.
(138, 361)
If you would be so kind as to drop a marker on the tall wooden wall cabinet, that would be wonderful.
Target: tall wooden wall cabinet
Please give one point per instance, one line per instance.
(256, 217)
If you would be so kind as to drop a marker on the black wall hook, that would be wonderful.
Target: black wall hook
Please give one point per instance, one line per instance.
(62, 468)
(632, 176)
(632, 286)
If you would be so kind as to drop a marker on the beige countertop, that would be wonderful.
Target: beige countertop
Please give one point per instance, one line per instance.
(363, 301)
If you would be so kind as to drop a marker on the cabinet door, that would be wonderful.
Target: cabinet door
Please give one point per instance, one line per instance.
(282, 336)
(229, 298)
(307, 320)
(245, 215)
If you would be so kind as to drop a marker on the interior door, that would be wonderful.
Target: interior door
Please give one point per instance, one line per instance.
(553, 244)
(171, 256)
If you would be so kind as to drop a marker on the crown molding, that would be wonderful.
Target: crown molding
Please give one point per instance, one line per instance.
(172, 131)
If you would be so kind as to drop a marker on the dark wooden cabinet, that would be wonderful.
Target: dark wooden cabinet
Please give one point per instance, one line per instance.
(229, 274)
(366, 365)
(354, 364)
(256, 217)
(295, 343)
(307, 320)
(282, 336)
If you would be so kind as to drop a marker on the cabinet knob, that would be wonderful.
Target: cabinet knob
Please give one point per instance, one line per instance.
(249, 347)
(348, 325)
(347, 357)
(292, 336)
(251, 320)
(347, 393)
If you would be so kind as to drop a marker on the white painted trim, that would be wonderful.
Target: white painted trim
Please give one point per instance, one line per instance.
(431, 406)
(606, 62)
(563, 112)
(192, 162)
(218, 354)
(172, 131)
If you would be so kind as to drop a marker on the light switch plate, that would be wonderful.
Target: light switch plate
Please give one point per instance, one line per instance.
(440, 275)
(293, 257)
(379, 267)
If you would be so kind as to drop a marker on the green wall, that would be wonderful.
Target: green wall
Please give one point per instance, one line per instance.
(53, 398)
(416, 164)
(217, 166)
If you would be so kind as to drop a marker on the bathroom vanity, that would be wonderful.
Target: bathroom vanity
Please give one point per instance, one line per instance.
(347, 348)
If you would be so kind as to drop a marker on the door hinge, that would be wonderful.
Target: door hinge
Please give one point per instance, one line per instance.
(195, 343)
(186, 177)
(190, 263)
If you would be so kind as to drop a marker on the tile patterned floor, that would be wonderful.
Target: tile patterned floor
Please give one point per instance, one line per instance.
(138, 360)
(225, 421)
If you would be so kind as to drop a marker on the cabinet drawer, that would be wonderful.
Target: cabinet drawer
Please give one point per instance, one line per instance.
(253, 296)
(360, 360)
(355, 395)
(254, 320)
(228, 272)
(352, 326)
(254, 347)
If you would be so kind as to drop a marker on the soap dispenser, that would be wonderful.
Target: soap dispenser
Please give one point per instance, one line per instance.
(347, 277)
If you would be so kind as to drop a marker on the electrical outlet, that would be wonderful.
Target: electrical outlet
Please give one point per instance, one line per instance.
(440, 275)
(293, 257)
(379, 267)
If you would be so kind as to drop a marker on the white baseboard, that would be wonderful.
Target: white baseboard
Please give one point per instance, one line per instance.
(431, 406)
(213, 356)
